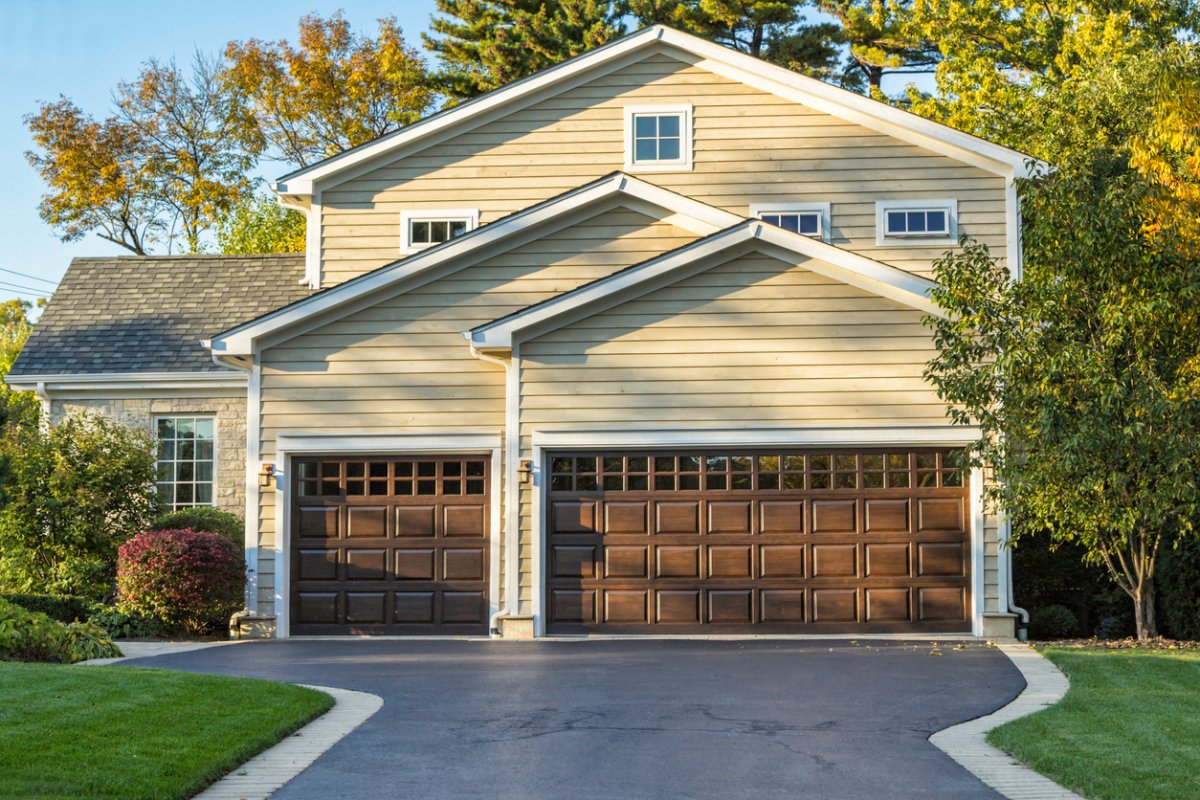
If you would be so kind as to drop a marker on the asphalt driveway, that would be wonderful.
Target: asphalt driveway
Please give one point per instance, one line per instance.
(636, 719)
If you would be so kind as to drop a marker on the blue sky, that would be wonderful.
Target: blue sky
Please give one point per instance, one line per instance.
(82, 49)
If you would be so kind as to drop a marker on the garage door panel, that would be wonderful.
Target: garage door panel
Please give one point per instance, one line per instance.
(413, 557)
(834, 516)
(872, 540)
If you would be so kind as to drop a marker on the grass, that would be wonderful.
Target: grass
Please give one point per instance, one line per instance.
(134, 734)
(1129, 728)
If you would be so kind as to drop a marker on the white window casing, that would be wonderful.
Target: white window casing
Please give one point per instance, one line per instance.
(463, 220)
(915, 217)
(767, 211)
(650, 128)
(186, 461)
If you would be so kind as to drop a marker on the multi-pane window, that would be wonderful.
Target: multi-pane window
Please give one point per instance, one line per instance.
(658, 138)
(187, 461)
(422, 229)
(915, 221)
(805, 222)
(392, 477)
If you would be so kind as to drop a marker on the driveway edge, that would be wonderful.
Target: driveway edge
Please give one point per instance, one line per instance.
(967, 743)
(267, 772)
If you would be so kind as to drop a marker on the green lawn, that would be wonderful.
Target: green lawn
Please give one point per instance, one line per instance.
(1129, 728)
(115, 732)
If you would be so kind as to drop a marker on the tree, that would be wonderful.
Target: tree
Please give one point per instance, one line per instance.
(75, 492)
(95, 175)
(165, 167)
(332, 91)
(1168, 152)
(192, 141)
(259, 224)
(881, 41)
(16, 408)
(486, 44)
(1082, 375)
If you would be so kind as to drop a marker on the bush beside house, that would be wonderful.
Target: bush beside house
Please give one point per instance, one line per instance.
(191, 581)
(204, 518)
(31, 636)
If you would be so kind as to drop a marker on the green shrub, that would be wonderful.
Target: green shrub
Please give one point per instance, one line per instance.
(1178, 581)
(1046, 573)
(189, 580)
(123, 624)
(60, 607)
(204, 518)
(30, 636)
(73, 493)
(1053, 622)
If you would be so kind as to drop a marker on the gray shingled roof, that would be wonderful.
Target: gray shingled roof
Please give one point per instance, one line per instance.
(148, 314)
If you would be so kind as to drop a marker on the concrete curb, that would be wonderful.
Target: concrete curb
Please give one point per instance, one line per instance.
(267, 772)
(967, 743)
(152, 649)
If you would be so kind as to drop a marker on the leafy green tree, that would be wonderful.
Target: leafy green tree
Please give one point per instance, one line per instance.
(331, 91)
(259, 224)
(486, 44)
(75, 492)
(1082, 375)
(880, 41)
(16, 408)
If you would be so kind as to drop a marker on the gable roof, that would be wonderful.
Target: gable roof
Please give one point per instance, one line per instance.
(751, 71)
(414, 270)
(148, 314)
(584, 301)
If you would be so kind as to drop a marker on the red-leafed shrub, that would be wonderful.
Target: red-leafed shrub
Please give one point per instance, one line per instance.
(189, 580)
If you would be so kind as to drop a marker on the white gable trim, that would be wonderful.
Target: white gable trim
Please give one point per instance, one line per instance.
(832, 262)
(482, 242)
(841, 103)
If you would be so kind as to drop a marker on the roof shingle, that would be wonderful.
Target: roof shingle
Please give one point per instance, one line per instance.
(148, 314)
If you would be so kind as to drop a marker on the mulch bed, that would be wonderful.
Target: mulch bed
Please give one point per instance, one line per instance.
(1160, 643)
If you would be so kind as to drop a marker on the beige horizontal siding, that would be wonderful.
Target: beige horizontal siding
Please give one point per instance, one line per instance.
(750, 147)
(403, 365)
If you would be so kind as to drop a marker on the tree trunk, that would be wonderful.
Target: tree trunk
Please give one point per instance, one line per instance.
(1143, 610)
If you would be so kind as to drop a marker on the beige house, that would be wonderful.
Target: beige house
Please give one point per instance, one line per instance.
(633, 345)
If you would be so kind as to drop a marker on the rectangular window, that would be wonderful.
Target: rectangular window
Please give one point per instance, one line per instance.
(808, 219)
(422, 229)
(187, 461)
(915, 222)
(658, 137)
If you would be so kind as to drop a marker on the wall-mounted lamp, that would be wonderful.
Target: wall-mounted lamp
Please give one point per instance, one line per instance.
(266, 476)
(525, 470)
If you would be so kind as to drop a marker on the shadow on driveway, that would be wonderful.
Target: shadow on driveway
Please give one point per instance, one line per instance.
(636, 719)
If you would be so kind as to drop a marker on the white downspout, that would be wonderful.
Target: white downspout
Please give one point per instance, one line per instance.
(512, 453)
(1007, 558)
(250, 537)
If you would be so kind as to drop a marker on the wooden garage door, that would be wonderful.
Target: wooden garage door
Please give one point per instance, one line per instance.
(390, 545)
(832, 541)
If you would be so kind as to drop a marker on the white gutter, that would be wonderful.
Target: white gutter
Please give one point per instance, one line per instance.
(125, 380)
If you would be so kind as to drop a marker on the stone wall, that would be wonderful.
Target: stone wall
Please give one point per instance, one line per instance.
(230, 413)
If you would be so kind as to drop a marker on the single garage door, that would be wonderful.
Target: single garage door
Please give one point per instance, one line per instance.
(820, 541)
(390, 545)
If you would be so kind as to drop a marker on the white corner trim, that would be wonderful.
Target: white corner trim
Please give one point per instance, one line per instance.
(884, 239)
(267, 772)
(483, 242)
(827, 260)
(967, 743)
(253, 491)
(782, 82)
(681, 164)
(312, 244)
(978, 608)
(300, 443)
(823, 227)
(468, 215)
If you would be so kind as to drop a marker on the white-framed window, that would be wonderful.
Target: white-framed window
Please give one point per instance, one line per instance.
(422, 229)
(186, 468)
(916, 222)
(658, 138)
(809, 219)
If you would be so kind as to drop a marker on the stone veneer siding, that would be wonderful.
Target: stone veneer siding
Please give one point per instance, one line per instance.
(230, 413)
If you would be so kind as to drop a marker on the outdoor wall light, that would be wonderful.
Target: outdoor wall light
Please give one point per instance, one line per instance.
(266, 476)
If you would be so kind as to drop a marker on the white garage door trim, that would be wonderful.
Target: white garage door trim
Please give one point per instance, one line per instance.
(859, 436)
(327, 443)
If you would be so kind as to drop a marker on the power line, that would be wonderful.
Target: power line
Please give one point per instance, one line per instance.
(27, 275)
(7, 285)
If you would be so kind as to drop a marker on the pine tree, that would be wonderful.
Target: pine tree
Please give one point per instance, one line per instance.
(486, 44)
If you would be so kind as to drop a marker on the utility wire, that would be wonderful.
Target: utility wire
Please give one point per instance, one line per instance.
(27, 275)
(7, 285)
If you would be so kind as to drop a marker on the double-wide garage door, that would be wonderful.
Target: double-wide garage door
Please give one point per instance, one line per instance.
(872, 540)
(390, 545)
